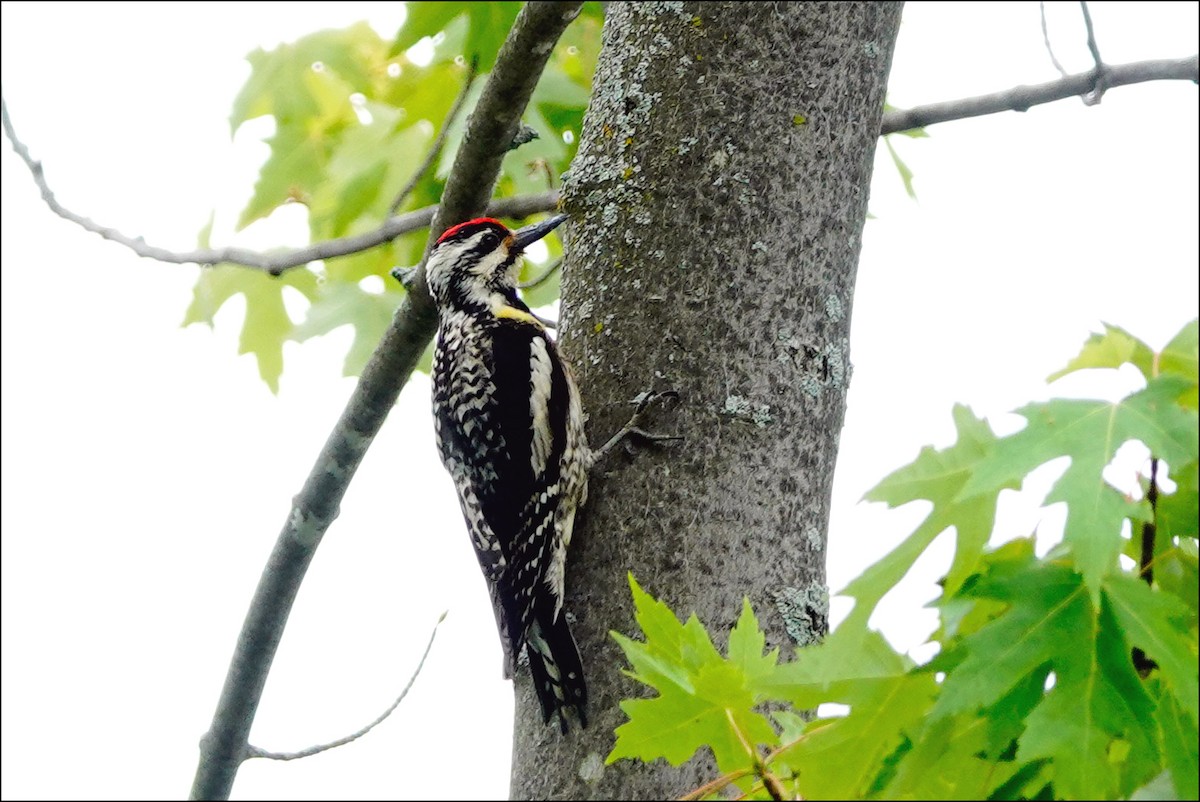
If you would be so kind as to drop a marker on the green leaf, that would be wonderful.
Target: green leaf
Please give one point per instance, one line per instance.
(791, 724)
(906, 174)
(280, 81)
(557, 88)
(266, 325)
(1180, 751)
(1006, 718)
(746, 645)
(1177, 511)
(948, 760)
(340, 304)
(307, 87)
(1176, 571)
(1093, 724)
(1090, 432)
(364, 173)
(840, 758)
(1156, 623)
(669, 654)
(1031, 781)
(293, 171)
(1111, 349)
(675, 724)
(702, 699)
(204, 237)
(1047, 604)
(1180, 358)
(848, 661)
(1096, 724)
(487, 26)
(937, 476)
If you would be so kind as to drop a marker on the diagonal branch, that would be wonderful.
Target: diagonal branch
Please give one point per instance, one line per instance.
(1022, 98)
(489, 132)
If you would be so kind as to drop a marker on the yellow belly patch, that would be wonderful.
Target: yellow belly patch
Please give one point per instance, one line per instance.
(512, 313)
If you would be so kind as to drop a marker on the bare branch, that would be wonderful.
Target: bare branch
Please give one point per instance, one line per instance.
(274, 262)
(440, 142)
(254, 751)
(715, 785)
(1022, 98)
(1018, 98)
(468, 189)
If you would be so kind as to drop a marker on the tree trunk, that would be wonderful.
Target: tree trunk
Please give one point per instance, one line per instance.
(719, 196)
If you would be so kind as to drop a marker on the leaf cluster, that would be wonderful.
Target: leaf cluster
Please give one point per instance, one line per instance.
(1069, 675)
(354, 119)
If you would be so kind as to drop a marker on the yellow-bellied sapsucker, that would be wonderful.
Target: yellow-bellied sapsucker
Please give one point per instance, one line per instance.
(509, 427)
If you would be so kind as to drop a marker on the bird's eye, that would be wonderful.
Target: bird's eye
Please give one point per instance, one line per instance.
(491, 239)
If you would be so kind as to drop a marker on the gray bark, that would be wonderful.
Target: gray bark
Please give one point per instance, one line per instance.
(719, 196)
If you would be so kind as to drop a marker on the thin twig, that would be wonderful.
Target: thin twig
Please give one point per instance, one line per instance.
(254, 751)
(1046, 41)
(274, 262)
(505, 95)
(541, 278)
(769, 780)
(1099, 71)
(1091, 35)
(773, 785)
(1022, 98)
(439, 143)
(726, 779)
(753, 789)
(715, 785)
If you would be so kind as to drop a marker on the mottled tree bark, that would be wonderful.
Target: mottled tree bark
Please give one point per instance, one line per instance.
(719, 196)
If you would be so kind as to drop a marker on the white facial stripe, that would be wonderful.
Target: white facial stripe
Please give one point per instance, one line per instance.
(488, 264)
(541, 372)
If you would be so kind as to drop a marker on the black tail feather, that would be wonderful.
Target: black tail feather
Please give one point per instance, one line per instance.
(557, 669)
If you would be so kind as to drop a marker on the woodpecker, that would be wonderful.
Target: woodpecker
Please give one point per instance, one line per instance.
(509, 426)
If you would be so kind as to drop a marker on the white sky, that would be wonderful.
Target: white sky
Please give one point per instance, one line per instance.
(147, 470)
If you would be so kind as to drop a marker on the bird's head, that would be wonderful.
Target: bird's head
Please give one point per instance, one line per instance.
(474, 265)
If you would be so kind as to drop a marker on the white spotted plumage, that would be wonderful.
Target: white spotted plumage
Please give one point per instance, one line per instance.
(509, 425)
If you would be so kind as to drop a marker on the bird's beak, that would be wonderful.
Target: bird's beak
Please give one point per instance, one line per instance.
(524, 237)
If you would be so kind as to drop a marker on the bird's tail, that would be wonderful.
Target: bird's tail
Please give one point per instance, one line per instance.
(556, 667)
